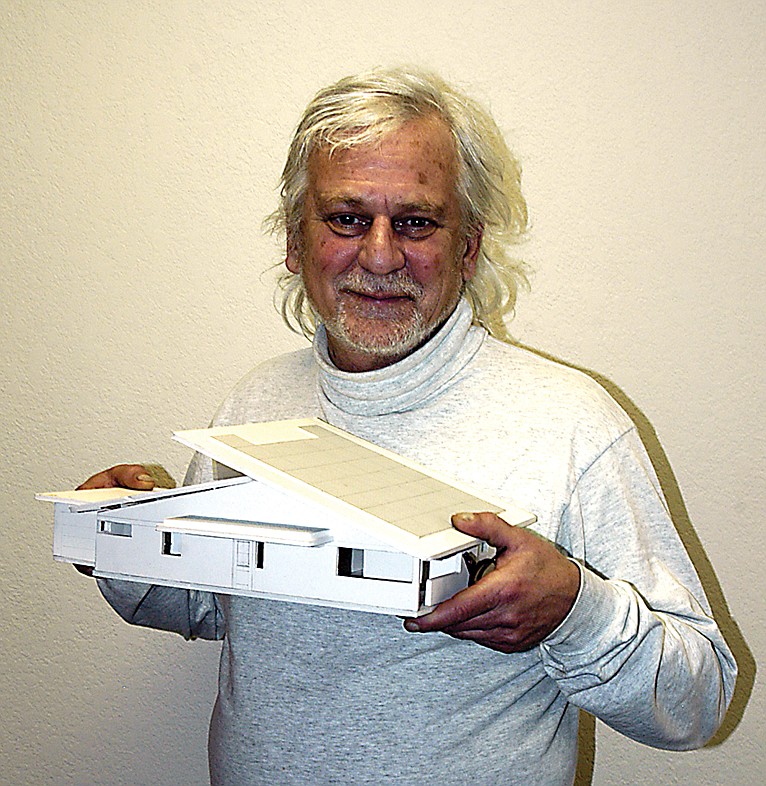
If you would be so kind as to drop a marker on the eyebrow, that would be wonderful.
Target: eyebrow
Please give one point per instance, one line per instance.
(340, 200)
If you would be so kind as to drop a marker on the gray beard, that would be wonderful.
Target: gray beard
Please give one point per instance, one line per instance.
(401, 338)
(398, 341)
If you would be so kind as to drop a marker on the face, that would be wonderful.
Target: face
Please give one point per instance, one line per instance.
(382, 254)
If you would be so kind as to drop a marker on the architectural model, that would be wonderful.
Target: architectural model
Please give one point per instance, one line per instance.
(312, 515)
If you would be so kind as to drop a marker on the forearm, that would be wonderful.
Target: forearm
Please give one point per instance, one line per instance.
(662, 678)
(191, 613)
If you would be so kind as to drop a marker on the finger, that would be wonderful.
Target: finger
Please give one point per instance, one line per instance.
(475, 601)
(488, 620)
(500, 639)
(497, 635)
(479, 635)
(130, 476)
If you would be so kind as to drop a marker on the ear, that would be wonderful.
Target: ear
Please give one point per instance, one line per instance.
(292, 258)
(292, 263)
(472, 248)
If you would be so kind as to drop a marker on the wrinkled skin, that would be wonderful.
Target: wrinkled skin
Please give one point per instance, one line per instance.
(383, 252)
(517, 605)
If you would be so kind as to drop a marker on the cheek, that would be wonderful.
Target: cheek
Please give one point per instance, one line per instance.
(324, 261)
(332, 254)
(434, 271)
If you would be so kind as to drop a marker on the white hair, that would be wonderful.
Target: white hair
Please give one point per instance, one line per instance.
(362, 110)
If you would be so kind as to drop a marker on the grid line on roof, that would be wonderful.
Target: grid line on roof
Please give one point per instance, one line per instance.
(417, 503)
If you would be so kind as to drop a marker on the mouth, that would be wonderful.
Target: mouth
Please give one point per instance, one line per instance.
(385, 306)
(382, 298)
(391, 297)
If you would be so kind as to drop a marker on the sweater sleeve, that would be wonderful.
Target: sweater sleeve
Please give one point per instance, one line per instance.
(192, 613)
(639, 649)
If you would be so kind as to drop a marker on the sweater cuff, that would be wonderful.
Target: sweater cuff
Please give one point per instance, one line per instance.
(589, 621)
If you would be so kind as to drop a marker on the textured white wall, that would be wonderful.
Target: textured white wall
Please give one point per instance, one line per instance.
(141, 146)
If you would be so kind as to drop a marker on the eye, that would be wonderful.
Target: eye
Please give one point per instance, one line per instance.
(348, 224)
(415, 227)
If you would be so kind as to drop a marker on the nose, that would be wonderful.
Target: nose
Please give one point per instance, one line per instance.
(380, 252)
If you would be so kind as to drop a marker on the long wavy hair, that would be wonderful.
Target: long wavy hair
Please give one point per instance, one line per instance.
(362, 110)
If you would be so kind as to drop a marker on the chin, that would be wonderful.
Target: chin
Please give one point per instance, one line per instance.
(378, 337)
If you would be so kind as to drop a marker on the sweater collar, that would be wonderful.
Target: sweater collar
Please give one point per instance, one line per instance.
(408, 384)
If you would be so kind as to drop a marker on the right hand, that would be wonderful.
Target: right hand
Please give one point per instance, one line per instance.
(128, 476)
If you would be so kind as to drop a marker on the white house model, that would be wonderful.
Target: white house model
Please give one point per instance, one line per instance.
(316, 516)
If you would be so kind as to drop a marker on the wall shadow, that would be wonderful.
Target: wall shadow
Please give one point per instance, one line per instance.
(680, 515)
(586, 750)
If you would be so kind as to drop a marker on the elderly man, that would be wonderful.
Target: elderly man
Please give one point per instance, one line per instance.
(399, 201)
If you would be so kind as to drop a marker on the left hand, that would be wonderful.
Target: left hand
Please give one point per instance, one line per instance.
(517, 605)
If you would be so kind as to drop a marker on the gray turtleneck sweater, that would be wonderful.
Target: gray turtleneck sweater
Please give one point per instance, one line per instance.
(311, 695)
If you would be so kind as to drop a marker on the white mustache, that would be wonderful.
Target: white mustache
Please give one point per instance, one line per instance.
(393, 285)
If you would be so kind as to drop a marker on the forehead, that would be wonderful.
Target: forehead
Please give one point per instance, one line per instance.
(416, 161)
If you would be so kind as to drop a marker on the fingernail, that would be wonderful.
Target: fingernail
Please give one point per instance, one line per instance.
(466, 517)
(145, 478)
(411, 626)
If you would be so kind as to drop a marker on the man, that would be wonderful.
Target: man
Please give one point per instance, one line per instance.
(399, 199)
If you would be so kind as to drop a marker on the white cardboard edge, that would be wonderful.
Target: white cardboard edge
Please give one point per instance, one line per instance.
(301, 599)
(244, 530)
(85, 500)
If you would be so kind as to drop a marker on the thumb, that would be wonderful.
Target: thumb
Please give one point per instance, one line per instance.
(488, 527)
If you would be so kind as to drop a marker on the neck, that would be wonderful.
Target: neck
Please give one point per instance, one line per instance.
(398, 386)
